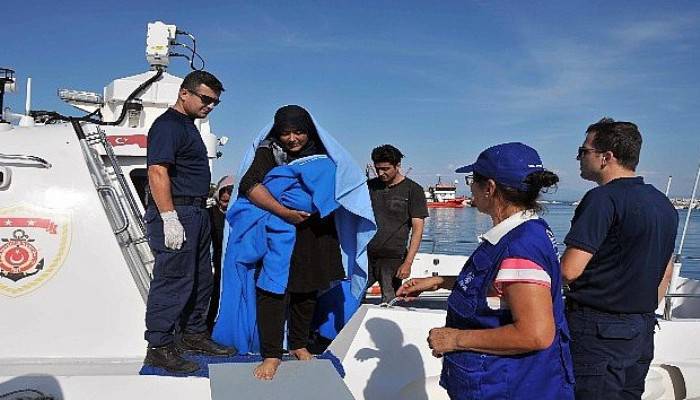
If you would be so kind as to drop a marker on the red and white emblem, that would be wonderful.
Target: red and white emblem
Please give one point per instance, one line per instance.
(140, 140)
(34, 243)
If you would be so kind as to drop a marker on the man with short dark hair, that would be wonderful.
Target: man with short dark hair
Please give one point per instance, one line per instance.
(618, 265)
(399, 208)
(178, 229)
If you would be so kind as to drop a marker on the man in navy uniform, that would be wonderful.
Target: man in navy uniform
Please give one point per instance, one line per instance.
(179, 230)
(618, 264)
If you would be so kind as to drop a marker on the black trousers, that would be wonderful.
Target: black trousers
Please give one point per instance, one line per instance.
(611, 353)
(383, 270)
(215, 297)
(182, 279)
(272, 313)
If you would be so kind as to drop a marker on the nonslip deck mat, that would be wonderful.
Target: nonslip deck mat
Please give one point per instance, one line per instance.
(206, 361)
(295, 380)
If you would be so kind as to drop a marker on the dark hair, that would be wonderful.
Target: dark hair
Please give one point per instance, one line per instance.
(538, 182)
(196, 78)
(621, 138)
(387, 153)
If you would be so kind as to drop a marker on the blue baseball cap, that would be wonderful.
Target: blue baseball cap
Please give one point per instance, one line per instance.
(508, 164)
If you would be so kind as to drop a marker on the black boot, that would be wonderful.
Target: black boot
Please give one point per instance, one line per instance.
(167, 357)
(201, 343)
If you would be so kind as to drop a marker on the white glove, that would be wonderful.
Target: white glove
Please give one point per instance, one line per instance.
(173, 230)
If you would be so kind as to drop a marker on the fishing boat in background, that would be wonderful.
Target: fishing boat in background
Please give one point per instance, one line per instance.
(444, 195)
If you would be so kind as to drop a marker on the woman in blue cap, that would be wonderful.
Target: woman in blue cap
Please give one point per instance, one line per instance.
(506, 334)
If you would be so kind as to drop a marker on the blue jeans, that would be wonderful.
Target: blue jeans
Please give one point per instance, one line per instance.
(611, 353)
(182, 279)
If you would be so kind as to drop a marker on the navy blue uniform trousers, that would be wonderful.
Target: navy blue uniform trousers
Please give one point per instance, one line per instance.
(182, 279)
(611, 353)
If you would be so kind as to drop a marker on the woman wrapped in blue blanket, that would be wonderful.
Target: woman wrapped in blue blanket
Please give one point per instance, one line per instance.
(316, 259)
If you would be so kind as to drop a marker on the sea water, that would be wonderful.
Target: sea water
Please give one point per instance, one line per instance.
(455, 231)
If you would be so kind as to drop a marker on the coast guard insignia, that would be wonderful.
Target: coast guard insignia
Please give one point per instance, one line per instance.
(34, 242)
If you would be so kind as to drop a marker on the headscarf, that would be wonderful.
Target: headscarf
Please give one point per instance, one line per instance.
(226, 181)
(293, 118)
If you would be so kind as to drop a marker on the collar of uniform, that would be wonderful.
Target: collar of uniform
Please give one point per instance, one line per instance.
(632, 180)
(180, 115)
(495, 234)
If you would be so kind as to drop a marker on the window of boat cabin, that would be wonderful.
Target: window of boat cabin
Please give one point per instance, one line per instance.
(139, 178)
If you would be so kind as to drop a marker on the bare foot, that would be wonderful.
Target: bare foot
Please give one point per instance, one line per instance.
(267, 369)
(301, 354)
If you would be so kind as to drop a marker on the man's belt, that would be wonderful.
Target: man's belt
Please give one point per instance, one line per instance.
(573, 305)
(183, 201)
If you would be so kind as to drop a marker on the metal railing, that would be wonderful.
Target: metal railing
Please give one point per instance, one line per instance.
(668, 306)
(434, 247)
(131, 237)
(23, 160)
(114, 163)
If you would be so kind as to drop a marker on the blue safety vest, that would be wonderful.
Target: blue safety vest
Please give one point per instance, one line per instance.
(545, 374)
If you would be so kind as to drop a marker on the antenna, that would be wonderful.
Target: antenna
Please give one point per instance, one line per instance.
(28, 102)
(26, 119)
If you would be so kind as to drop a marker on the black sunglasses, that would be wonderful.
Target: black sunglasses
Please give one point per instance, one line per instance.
(583, 150)
(206, 100)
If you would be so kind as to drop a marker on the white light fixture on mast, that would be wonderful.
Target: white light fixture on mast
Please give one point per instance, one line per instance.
(158, 41)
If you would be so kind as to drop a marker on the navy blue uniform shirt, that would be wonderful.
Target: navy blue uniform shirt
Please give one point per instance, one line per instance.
(174, 140)
(630, 228)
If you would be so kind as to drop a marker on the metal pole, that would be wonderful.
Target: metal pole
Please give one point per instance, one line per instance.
(28, 102)
(687, 216)
(676, 273)
(668, 185)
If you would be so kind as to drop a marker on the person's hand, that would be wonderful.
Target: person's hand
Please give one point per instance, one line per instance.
(413, 287)
(173, 230)
(443, 340)
(404, 270)
(295, 217)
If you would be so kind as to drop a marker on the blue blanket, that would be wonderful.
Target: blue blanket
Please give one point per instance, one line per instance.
(347, 194)
(258, 236)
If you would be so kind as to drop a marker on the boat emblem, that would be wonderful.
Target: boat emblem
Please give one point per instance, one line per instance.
(18, 257)
(34, 242)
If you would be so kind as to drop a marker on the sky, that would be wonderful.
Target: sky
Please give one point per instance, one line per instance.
(439, 80)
